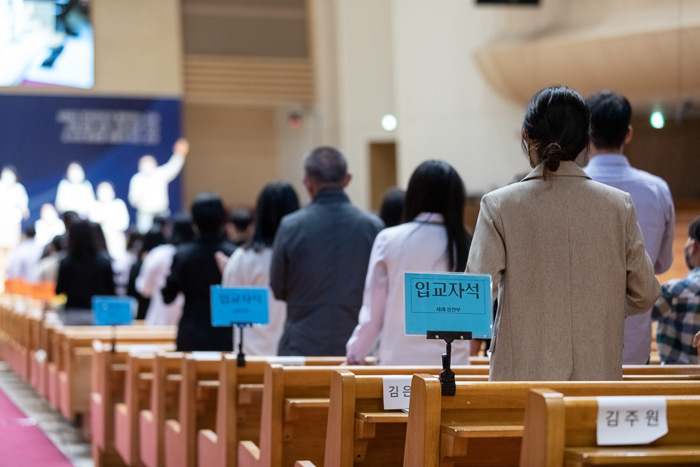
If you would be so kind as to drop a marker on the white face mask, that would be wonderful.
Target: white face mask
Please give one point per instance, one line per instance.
(8, 177)
(76, 174)
(48, 212)
(105, 192)
(147, 164)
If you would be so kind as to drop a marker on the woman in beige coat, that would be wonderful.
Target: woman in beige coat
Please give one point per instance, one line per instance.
(565, 253)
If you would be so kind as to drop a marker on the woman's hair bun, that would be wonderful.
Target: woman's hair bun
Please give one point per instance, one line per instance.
(551, 156)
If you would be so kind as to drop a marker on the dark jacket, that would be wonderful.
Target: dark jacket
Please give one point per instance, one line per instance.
(193, 272)
(79, 279)
(319, 264)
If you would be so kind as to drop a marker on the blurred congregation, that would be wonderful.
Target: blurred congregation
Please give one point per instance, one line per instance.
(322, 150)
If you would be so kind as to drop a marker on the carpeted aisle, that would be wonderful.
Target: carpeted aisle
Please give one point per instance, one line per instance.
(22, 443)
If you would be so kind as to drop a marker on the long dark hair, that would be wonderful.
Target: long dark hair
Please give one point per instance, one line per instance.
(275, 201)
(558, 125)
(436, 187)
(81, 241)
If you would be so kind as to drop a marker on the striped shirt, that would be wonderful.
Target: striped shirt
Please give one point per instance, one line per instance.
(678, 313)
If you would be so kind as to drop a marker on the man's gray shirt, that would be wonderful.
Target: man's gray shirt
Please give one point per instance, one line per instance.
(319, 264)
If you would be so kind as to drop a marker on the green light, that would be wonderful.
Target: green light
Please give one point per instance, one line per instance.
(657, 120)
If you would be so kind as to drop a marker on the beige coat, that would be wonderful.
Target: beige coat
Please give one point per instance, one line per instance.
(568, 263)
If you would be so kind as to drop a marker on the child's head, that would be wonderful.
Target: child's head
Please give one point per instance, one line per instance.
(692, 246)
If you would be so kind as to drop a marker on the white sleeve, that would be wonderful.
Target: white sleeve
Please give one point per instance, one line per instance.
(371, 319)
(171, 169)
(147, 280)
(122, 222)
(22, 198)
(60, 197)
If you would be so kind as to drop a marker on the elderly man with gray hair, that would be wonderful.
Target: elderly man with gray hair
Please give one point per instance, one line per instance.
(320, 259)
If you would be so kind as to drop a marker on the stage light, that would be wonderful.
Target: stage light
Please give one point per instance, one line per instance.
(389, 122)
(657, 120)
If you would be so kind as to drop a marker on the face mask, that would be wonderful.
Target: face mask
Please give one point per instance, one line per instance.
(105, 192)
(75, 174)
(8, 177)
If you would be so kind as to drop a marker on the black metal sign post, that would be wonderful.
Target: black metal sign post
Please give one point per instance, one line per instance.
(447, 377)
(240, 358)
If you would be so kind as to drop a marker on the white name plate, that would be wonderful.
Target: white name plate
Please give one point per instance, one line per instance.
(397, 391)
(631, 420)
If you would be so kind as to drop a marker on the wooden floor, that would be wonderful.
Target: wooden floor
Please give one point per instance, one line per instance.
(685, 213)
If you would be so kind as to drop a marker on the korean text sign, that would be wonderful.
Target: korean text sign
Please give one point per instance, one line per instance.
(113, 311)
(449, 302)
(239, 305)
(631, 420)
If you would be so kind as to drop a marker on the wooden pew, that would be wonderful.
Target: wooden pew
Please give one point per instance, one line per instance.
(199, 384)
(295, 408)
(239, 407)
(165, 392)
(483, 422)
(109, 375)
(73, 348)
(137, 397)
(561, 431)
(359, 430)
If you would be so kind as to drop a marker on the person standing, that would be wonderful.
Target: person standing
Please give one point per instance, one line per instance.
(74, 192)
(193, 272)
(113, 216)
(82, 274)
(610, 133)
(13, 208)
(565, 253)
(431, 239)
(319, 260)
(250, 265)
(148, 189)
(678, 309)
(155, 270)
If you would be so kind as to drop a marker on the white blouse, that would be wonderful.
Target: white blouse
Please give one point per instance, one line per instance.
(248, 267)
(152, 277)
(418, 246)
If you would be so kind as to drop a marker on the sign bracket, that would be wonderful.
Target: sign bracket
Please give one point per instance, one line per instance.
(447, 376)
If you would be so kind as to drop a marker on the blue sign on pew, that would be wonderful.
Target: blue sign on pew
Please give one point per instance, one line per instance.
(113, 311)
(449, 302)
(239, 305)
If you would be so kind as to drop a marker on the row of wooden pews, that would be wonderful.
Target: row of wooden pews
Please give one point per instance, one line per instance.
(147, 405)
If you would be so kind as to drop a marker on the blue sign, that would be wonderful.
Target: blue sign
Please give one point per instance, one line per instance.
(449, 302)
(113, 311)
(41, 135)
(239, 305)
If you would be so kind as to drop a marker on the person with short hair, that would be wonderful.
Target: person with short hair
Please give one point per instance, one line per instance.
(431, 239)
(611, 132)
(391, 211)
(250, 265)
(320, 259)
(148, 188)
(678, 309)
(565, 253)
(24, 259)
(240, 227)
(193, 272)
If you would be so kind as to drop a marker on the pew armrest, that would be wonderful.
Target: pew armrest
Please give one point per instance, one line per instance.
(486, 430)
(248, 454)
(292, 407)
(304, 464)
(661, 455)
(208, 452)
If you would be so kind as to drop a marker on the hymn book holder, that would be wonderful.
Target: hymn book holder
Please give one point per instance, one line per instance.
(240, 358)
(447, 377)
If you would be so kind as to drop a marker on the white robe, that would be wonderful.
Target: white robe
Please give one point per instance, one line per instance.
(78, 197)
(13, 205)
(113, 217)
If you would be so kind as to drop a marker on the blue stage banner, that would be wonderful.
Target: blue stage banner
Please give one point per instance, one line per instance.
(41, 135)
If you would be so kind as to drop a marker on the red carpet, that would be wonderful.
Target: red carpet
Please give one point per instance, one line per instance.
(23, 444)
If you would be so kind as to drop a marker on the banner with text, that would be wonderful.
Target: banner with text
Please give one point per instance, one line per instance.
(41, 135)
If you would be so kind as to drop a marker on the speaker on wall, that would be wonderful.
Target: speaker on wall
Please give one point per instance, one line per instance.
(507, 2)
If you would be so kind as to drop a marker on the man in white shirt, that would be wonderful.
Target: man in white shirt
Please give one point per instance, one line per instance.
(610, 133)
(74, 192)
(24, 260)
(148, 189)
(13, 208)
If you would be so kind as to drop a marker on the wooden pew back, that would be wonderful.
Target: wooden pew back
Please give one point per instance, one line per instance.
(563, 430)
(487, 418)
